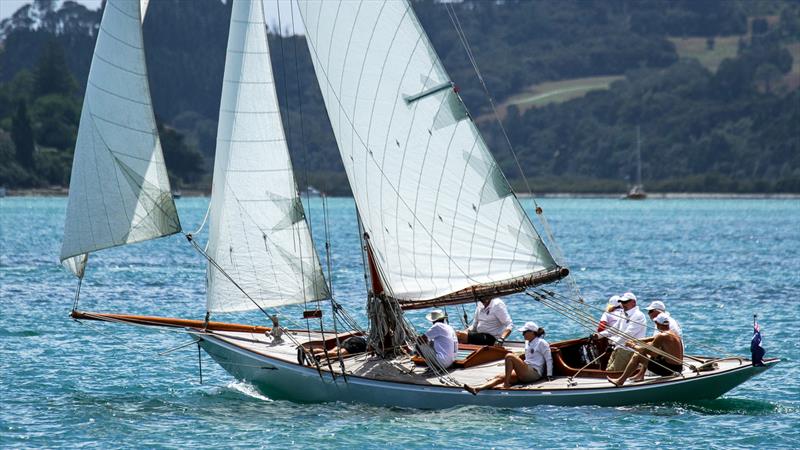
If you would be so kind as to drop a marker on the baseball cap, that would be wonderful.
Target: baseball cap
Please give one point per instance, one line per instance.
(657, 305)
(529, 326)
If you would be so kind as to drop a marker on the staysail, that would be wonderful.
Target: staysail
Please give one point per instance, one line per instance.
(119, 191)
(441, 219)
(258, 233)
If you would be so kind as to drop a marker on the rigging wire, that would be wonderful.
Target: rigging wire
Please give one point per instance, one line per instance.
(539, 211)
(77, 294)
(583, 318)
(649, 325)
(205, 218)
(289, 133)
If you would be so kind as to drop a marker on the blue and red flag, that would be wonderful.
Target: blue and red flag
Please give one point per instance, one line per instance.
(756, 350)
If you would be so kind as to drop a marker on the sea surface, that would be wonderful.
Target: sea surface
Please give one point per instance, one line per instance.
(715, 263)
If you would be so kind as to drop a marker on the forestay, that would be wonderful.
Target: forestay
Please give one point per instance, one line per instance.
(440, 215)
(258, 232)
(119, 190)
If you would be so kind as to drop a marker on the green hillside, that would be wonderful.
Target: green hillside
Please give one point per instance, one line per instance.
(713, 85)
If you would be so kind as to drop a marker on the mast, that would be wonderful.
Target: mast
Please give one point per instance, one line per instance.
(119, 190)
(258, 233)
(638, 156)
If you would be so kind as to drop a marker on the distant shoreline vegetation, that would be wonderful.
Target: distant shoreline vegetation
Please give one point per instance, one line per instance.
(714, 87)
(63, 192)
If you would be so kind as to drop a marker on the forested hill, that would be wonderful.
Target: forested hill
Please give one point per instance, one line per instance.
(705, 128)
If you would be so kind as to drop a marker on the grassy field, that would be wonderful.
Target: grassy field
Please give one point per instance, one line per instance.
(689, 47)
(556, 92)
(696, 47)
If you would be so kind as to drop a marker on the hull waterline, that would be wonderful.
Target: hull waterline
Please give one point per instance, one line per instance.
(285, 380)
(248, 354)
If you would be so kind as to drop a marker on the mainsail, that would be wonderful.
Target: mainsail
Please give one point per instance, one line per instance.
(442, 221)
(119, 190)
(258, 233)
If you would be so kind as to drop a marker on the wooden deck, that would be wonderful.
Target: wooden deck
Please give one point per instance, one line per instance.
(404, 370)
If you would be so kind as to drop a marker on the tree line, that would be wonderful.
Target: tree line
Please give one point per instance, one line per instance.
(729, 130)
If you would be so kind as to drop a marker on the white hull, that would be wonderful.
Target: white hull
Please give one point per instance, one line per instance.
(282, 379)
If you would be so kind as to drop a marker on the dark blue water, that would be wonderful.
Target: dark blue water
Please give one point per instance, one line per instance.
(94, 385)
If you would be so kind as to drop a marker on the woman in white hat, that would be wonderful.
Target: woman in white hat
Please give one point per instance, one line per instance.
(538, 360)
(443, 337)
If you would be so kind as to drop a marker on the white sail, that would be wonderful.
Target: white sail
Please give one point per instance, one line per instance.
(143, 7)
(258, 233)
(440, 215)
(119, 190)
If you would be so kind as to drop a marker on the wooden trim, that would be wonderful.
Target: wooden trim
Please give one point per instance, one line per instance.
(169, 322)
(488, 290)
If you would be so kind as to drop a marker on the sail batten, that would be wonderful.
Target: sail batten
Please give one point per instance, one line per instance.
(119, 189)
(257, 230)
(440, 214)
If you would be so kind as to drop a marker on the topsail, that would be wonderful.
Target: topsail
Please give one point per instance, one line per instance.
(441, 219)
(119, 190)
(258, 233)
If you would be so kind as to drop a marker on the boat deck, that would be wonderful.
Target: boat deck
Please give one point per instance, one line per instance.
(403, 369)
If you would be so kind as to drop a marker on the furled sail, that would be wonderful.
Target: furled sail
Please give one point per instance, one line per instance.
(258, 233)
(441, 219)
(119, 190)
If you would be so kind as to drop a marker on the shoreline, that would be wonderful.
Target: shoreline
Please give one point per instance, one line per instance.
(63, 192)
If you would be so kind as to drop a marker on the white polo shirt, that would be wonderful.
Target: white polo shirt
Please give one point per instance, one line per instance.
(634, 325)
(445, 343)
(537, 355)
(492, 319)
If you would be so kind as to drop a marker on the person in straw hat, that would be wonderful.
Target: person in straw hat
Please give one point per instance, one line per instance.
(538, 361)
(443, 338)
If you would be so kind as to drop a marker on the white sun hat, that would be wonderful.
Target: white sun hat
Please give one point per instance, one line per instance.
(529, 326)
(658, 305)
(662, 319)
(436, 314)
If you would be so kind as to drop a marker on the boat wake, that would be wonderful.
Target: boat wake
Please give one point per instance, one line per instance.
(738, 406)
(248, 390)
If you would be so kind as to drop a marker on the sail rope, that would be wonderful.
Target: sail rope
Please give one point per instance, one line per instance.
(648, 325)
(205, 218)
(334, 305)
(77, 294)
(462, 36)
(583, 318)
(288, 133)
(214, 263)
(160, 327)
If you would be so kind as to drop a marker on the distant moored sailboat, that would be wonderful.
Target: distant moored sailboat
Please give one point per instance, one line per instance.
(637, 192)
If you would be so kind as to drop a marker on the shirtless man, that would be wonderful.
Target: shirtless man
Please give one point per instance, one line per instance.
(645, 359)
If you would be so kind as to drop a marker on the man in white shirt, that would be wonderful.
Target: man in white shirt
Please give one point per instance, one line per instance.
(443, 338)
(657, 307)
(633, 326)
(491, 325)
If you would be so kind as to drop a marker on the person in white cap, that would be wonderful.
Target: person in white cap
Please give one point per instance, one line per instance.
(633, 326)
(443, 338)
(657, 307)
(610, 317)
(491, 325)
(538, 362)
(668, 361)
